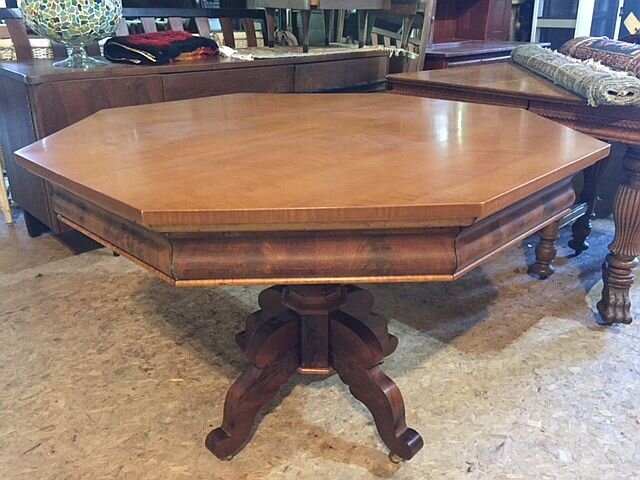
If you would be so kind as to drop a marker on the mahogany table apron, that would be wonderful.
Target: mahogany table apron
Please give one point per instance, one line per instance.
(239, 207)
(510, 85)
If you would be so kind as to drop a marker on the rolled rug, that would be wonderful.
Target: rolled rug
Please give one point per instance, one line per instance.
(598, 84)
(616, 54)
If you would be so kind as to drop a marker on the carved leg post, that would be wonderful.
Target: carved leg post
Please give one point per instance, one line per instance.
(545, 251)
(615, 307)
(315, 329)
(581, 228)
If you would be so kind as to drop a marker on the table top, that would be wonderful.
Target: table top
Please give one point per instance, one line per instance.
(261, 161)
(511, 85)
(504, 77)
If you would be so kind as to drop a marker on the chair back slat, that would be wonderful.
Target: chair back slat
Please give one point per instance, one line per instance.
(18, 33)
(227, 32)
(149, 24)
(122, 29)
(250, 30)
(59, 51)
(175, 23)
(202, 24)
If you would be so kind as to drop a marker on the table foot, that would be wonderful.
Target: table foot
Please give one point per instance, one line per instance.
(615, 305)
(545, 251)
(314, 329)
(35, 227)
(617, 270)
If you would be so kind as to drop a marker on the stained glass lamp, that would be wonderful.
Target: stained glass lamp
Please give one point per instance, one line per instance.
(74, 23)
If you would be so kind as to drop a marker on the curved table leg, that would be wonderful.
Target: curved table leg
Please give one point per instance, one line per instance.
(356, 356)
(273, 349)
(615, 307)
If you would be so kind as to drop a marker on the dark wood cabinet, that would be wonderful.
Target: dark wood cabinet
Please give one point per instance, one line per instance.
(469, 31)
(471, 20)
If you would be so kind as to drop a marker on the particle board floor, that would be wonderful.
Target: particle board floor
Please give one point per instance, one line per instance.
(107, 373)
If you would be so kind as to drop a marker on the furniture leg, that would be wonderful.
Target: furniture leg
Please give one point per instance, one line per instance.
(581, 228)
(328, 26)
(317, 330)
(340, 25)
(426, 34)
(35, 227)
(545, 251)
(4, 201)
(407, 23)
(306, 18)
(270, 14)
(356, 356)
(363, 18)
(273, 349)
(617, 270)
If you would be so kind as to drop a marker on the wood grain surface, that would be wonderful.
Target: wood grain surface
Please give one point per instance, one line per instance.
(507, 84)
(264, 161)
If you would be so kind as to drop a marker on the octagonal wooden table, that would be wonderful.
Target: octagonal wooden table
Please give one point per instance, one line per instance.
(312, 193)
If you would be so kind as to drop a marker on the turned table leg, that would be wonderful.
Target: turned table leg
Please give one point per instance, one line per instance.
(545, 251)
(315, 329)
(617, 275)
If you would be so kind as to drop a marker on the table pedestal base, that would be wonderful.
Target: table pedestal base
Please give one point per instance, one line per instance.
(315, 329)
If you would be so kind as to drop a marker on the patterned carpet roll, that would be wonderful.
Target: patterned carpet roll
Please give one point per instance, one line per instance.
(598, 84)
(618, 55)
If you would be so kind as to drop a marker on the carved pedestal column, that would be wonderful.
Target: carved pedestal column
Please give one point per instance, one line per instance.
(614, 307)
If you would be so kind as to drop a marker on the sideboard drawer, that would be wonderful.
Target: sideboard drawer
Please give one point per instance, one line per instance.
(181, 86)
(342, 75)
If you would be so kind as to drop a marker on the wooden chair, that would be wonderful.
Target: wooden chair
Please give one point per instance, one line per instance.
(409, 15)
(153, 19)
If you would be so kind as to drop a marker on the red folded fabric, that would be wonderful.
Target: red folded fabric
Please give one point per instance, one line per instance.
(158, 48)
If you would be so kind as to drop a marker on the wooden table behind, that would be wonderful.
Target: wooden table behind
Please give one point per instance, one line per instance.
(510, 85)
(37, 99)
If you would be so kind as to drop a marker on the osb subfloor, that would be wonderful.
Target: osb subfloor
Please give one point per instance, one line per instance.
(107, 373)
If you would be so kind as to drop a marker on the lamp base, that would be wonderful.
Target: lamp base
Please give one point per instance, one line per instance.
(78, 58)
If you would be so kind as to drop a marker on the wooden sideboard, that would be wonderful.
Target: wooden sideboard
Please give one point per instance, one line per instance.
(37, 99)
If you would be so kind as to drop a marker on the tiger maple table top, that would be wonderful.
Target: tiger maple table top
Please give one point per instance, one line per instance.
(309, 162)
